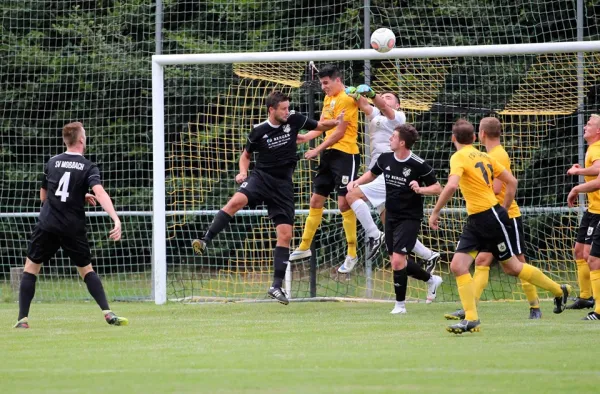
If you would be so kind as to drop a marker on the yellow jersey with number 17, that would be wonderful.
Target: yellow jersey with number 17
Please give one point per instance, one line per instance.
(591, 155)
(332, 107)
(501, 156)
(477, 171)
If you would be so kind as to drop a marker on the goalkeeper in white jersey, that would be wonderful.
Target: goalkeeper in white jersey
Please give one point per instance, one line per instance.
(383, 118)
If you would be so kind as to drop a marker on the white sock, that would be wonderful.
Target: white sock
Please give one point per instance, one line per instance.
(420, 250)
(363, 213)
(400, 304)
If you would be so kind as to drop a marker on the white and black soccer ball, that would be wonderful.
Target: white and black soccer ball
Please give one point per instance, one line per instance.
(383, 40)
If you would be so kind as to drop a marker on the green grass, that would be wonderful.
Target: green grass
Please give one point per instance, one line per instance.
(300, 348)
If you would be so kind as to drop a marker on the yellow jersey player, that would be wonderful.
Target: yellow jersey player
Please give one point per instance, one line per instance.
(489, 135)
(591, 217)
(488, 225)
(338, 165)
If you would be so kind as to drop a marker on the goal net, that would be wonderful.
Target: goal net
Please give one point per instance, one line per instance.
(535, 91)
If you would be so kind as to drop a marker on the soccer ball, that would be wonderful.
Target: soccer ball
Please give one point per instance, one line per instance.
(383, 40)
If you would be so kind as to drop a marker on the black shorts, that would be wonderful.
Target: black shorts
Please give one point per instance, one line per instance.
(43, 245)
(336, 169)
(276, 193)
(488, 230)
(595, 250)
(401, 234)
(588, 224)
(516, 235)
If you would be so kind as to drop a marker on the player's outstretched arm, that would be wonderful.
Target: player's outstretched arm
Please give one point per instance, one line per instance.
(244, 165)
(445, 196)
(586, 187)
(367, 177)
(106, 203)
(431, 190)
(511, 187)
(322, 126)
(593, 170)
(386, 110)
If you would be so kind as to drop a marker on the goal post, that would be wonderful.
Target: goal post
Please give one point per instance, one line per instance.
(530, 108)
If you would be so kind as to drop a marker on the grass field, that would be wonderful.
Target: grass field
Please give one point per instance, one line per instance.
(300, 348)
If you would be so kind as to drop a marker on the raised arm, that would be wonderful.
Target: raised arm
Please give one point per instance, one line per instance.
(593, 170)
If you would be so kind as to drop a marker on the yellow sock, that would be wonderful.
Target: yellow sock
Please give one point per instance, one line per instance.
(531, 294)
(595, 279)
(536, 277)
(465, 291)
(350, 230)
(313, 221)
(480, 280)
(583, 278)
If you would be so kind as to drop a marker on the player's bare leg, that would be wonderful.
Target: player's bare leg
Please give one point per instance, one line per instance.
(313, 221)
(281, 257)
(220, 221)
(27, 292)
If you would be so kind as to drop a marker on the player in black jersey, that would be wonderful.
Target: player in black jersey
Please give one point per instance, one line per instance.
(66, 181)
(275, 143)
(404, 173)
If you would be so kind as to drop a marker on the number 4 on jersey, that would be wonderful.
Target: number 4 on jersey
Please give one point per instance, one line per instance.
(63, 187)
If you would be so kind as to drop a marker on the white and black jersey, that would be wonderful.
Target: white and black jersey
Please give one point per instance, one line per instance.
(276, 145)
(67, 178)
(380, 130)
(401, 200)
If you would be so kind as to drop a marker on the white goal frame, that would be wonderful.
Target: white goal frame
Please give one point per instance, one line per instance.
(159, 245)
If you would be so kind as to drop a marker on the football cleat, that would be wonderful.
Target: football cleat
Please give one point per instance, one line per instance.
(348, 265)
(399, 309)
(115, 320)
(374, 244)
(431, 262)
(23, 323)
(582, 303)
(535, 313)
(199, 246)
(592, 316)
(561, 301)
(277, 293)
(436, 281)
(300, 254)
(458, 315)
(464, 326)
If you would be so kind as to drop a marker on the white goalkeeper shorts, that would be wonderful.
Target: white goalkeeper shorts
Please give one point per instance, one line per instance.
(375, 193)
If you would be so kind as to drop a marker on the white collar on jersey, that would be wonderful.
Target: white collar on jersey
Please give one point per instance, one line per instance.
(402, 161)
(73, 153)
(272, 125)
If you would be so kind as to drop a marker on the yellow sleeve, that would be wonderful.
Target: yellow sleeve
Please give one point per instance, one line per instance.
(503, 159)
(497, 166)
(457, 165)
(350, 108)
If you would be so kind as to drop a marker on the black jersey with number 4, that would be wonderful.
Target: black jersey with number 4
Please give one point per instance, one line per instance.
(400, 199)
(67, 178)
(276, 144)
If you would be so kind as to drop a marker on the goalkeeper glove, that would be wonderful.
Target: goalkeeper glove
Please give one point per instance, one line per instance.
(351, 91)
(366, 91)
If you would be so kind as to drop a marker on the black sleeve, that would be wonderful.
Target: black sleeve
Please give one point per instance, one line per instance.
(93, 176)
(252, 142)
(377, 169)
(301, 122)
(44, 177)
(427, 175)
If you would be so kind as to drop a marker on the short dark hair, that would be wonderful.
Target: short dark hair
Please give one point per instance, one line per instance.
(463, 131)
(392, 93)
(329, 70)
(71, 133)
(275, 98)
(407, 133)
(491, 126)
